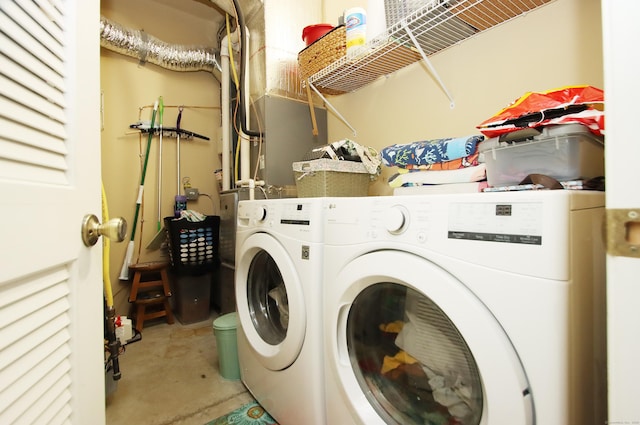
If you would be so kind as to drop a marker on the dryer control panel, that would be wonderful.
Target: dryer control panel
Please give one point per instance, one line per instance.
(295, 217)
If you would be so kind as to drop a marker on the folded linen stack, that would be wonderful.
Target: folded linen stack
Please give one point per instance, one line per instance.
(435, 162)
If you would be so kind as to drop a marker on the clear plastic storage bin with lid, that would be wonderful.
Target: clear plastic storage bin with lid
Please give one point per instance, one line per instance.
(564, 152)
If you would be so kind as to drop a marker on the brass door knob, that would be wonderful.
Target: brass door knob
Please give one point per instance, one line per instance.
(114, 229)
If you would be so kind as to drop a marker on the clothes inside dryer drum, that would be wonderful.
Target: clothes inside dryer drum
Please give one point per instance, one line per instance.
(267, 298)
(411, 362)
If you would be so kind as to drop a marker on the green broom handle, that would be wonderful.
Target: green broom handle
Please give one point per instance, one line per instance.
(144, 170)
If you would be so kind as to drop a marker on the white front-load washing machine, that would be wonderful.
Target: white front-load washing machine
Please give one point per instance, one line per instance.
(278, 286)
(484, 308)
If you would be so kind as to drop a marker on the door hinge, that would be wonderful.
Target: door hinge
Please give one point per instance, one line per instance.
(623, 232)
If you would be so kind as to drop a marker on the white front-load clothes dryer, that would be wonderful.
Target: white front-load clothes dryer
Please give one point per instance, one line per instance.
(467, 309)
(278, 287)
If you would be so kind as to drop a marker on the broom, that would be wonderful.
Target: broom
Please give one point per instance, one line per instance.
(124, 272)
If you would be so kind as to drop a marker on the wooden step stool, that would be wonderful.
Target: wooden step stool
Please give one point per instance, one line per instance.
(147, 291)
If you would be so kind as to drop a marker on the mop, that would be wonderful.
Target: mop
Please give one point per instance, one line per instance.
(180, 200)
(124, 272)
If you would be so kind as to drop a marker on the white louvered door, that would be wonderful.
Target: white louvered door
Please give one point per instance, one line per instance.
(51, 331)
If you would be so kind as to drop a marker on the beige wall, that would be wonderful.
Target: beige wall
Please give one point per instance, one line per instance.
(559, 44)
(127, 87)
(556, 45)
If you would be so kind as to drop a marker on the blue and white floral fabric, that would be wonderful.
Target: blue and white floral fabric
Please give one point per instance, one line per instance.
(429, 151)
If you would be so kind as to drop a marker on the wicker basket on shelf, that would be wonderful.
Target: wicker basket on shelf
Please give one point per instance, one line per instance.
(323, 52)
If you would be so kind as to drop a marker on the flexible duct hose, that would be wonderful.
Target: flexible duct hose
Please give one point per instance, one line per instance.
(146, 48)
(138, 44)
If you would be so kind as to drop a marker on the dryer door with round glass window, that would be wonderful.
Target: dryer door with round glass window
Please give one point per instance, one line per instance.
(414, 346)
(270, 301)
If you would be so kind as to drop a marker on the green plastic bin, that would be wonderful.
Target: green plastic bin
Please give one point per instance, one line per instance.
(224, 328)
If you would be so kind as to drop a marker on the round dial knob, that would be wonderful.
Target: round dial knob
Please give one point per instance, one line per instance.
(395, 219)
(260, 213)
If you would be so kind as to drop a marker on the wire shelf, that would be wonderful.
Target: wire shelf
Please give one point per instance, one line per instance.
(435, 26)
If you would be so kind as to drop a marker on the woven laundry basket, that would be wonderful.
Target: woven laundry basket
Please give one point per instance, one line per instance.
(329, 177)
(322, 53)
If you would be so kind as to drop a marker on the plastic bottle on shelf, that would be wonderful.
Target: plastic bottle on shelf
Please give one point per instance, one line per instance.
(376, 20)
(355, 20)
(179, 206)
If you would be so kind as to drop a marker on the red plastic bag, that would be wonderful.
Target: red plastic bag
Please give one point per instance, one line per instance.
(583, 104)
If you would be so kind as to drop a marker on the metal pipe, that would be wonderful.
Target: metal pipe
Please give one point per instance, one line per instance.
(245, 134)
(244, 69)
(227, 170)
(139, 44)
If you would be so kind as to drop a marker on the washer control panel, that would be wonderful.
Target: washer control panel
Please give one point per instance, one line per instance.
(510, 222)
(355, 220)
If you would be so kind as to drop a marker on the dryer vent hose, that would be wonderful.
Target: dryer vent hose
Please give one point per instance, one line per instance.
(139, 44)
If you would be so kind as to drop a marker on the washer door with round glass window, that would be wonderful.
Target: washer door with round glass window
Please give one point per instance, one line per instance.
(414, 346)
(270, 301)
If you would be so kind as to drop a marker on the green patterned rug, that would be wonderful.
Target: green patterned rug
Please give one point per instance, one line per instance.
(249, 414)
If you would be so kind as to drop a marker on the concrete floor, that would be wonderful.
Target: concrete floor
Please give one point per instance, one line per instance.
(172, 377)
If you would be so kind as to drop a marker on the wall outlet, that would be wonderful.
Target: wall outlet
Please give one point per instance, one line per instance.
(191, 193)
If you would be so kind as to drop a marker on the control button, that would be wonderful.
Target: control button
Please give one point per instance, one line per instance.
(395, 219)
(422, 237)
(260, 213)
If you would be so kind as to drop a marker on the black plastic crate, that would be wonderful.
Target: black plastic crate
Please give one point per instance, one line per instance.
(191, 297)
(193, 246)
